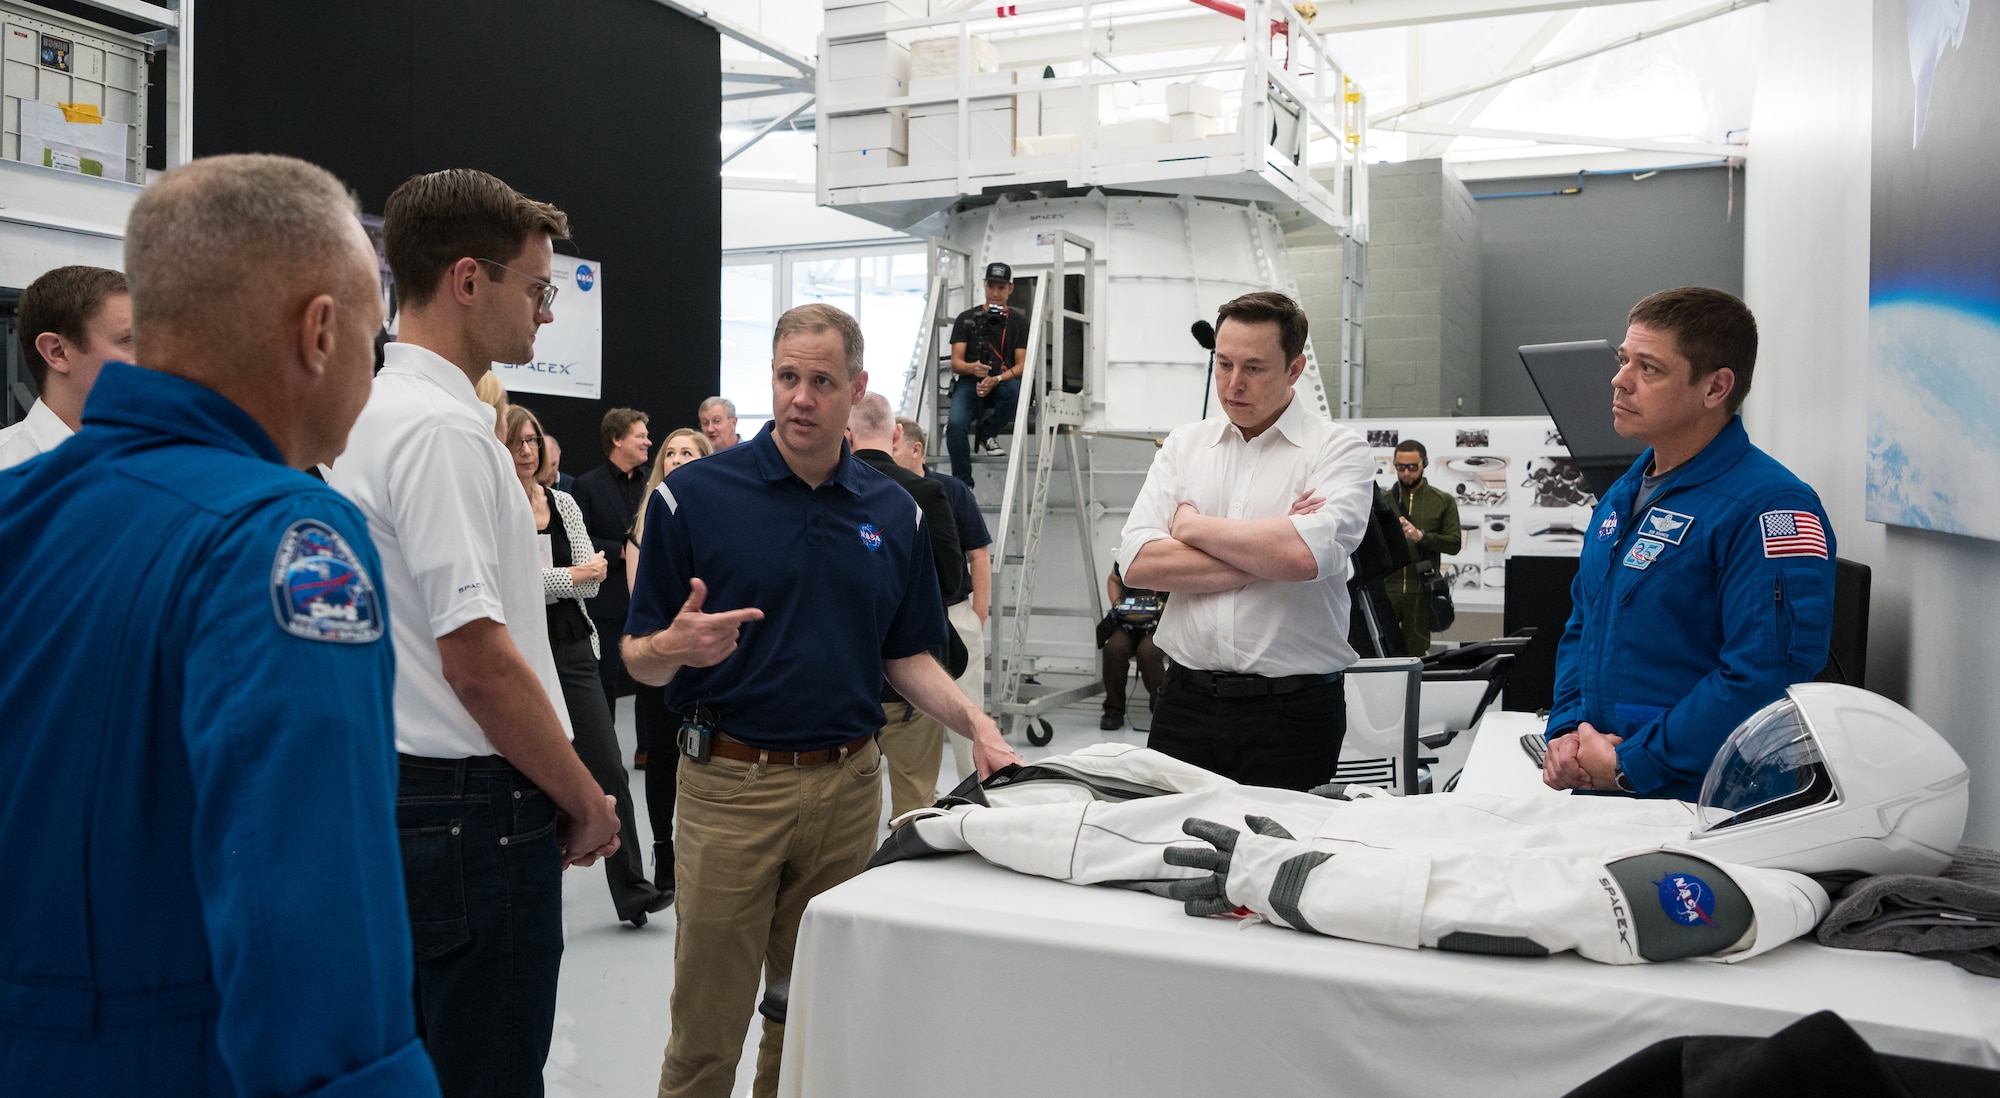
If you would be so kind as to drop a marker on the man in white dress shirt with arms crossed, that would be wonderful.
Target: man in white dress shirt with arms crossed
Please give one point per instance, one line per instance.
(1248, 518)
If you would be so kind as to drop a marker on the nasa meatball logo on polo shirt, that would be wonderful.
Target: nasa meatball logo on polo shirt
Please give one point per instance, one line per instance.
(319, 589)
(871, 536)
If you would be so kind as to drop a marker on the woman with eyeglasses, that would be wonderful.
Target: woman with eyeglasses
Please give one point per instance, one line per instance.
(658, 725)
(573, 638)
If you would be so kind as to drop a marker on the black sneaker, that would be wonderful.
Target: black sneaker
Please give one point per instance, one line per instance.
(1111, 722)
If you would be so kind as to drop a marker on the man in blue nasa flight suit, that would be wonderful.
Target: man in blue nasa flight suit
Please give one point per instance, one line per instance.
(197, 775)
(1706, 584)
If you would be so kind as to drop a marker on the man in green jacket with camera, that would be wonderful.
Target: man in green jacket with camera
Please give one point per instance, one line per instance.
(1430, 522)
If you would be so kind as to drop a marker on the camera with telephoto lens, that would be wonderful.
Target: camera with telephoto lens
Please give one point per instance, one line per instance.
(994, 318)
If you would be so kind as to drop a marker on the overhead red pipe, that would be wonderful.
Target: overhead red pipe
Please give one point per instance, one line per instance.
(1235, 11)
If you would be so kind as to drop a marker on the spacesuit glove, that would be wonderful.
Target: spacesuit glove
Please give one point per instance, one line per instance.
(1268, 874)
(1203, 896)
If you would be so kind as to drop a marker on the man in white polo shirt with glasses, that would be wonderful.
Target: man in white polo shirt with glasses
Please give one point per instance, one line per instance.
(493, 800)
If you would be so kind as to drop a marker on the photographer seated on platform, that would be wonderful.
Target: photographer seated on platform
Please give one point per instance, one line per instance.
(989, 349)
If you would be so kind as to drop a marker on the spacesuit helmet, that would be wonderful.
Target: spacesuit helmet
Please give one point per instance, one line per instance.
(1832, 779)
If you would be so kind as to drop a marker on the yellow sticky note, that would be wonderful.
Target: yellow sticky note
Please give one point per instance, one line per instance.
(81, 112)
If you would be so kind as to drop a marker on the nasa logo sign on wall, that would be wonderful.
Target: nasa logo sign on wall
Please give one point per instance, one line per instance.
(585, 277)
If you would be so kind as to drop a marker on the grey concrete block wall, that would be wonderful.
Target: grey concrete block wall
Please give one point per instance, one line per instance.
(1316, 264)
(1421, 322)
(1421, 325)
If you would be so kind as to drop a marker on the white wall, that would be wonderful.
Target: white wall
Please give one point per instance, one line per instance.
(1930, 642)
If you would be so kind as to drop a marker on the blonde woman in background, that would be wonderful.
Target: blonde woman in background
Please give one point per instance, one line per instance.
(491, 392)
(649, 704)
(571, 572)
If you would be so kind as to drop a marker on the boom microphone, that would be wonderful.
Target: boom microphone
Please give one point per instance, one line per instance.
(1204, 334)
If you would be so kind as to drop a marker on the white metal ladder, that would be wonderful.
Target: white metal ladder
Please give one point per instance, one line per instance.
(1024, 501)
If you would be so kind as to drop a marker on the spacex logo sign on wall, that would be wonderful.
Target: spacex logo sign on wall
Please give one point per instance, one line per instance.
(569, 353)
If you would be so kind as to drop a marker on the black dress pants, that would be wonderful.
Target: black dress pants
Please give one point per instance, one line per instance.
(611, 673)
(597, 745)
(659, 729)
(1290, 741)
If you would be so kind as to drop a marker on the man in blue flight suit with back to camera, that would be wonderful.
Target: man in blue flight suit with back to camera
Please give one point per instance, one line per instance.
(1706, 583)
(197, 775)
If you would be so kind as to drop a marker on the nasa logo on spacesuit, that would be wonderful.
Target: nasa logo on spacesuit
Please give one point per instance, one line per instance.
(1687, 899)
(1668, 526)
(871, 535)
(319, 589)
(1608, 527)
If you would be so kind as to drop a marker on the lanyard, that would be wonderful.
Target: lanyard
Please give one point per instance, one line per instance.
(1006, 322)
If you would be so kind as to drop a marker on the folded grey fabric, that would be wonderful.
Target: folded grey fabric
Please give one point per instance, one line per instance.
(1954, 916)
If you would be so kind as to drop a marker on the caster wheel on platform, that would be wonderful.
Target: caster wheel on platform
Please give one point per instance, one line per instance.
(1040, 732)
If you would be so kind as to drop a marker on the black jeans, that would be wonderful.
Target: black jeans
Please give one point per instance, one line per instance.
(1290, 741)
(658, 729)
(597, 745)
(482, 868)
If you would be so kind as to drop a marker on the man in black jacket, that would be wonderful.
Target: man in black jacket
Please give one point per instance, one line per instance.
(912, 743)
(609, 497)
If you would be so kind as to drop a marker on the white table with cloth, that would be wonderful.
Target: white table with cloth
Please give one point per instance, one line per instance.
(953, 976)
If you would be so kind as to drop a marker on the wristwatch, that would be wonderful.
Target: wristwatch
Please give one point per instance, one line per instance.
(1618, 775)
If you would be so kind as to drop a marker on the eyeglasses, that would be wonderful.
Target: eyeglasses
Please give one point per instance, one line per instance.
(1409, 466)
(548, 291)
(528, 442)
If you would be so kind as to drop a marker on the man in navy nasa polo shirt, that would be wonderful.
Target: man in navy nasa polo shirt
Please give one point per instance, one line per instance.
(780, 582)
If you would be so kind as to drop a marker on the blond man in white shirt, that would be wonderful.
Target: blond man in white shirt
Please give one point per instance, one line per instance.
(1248, 518)
(72, 321)
(494, 801)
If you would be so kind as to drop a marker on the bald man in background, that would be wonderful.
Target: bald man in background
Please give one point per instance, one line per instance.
(204, 889)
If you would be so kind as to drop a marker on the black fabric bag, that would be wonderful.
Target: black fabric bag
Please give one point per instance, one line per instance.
(1443, 613)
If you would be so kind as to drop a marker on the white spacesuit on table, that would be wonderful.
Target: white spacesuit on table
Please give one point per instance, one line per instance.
(1830, 781)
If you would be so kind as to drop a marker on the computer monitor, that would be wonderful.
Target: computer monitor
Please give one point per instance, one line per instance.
(1574, 380)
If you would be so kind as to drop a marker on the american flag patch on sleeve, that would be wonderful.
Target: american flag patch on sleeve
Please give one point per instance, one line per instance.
(1792, 534)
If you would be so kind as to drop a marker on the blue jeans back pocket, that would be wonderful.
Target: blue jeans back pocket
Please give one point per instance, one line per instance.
(434, 882)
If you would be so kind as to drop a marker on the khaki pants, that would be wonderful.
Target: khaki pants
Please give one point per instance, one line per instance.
(912, 749)
(973, 683)
(752, 844)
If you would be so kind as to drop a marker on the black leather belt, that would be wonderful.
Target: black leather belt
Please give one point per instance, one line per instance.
(473, 764)
(1231, 684)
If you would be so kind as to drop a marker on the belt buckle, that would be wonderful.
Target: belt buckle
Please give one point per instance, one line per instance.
(1229, 685)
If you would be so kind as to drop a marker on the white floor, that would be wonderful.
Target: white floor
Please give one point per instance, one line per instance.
(611, 1011)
